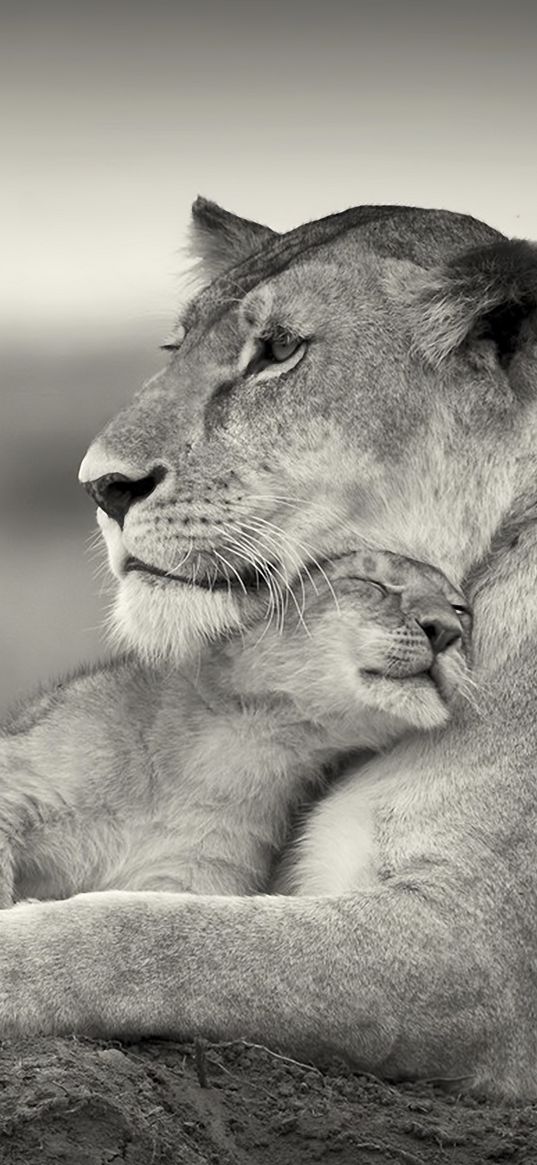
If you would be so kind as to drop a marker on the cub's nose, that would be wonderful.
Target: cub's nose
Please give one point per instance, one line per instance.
(115, 493)
(439, 622)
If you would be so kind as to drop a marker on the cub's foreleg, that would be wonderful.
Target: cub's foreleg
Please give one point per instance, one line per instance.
(18, 806)
(62, 785)
(7, 871)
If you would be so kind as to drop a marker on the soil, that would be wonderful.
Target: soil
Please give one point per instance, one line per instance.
(85, 1102)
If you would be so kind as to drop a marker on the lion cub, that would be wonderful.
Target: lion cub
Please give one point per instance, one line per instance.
(129, 777)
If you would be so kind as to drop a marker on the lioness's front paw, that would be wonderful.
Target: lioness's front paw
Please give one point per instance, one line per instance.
(45, 957)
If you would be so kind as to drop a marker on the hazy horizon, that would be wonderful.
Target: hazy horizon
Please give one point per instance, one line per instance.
(116, 116)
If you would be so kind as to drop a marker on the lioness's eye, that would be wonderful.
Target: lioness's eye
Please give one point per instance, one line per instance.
(277, 349)
(281, 347)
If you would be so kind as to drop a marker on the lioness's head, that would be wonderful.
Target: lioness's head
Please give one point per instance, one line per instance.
(364, 379)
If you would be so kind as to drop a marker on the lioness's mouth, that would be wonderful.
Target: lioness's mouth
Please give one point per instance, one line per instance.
(246, 580)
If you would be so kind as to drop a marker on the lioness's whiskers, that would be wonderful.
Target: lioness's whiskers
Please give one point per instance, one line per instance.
(293, 554)
(232, 568)
(292, 540)
(277, 604)
(271, 586)
(274, 569)
(94, 543)
(272, 541)
(256, 523)
(473, 691)
(345, 526)
(104, 579)
(177, 566)
(296, 502)
(276, 596)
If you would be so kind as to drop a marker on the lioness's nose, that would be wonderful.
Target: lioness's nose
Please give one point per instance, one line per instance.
(115, 493)
(439, 622)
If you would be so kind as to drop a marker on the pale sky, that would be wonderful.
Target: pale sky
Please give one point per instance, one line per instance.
(117, 114)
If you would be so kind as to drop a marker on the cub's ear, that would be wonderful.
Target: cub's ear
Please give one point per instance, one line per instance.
(485, 294)
(221, 239)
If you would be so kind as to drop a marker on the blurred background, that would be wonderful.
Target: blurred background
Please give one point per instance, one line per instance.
(115, 115)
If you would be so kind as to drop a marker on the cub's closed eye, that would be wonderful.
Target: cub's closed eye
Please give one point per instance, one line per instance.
(378, 586)
(371, 582)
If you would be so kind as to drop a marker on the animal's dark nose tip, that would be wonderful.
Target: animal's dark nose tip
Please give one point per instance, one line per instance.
(115, 493)
(440, 624)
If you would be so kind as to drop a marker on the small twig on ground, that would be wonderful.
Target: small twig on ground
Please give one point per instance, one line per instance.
(393, 1150)
(377, 1080)
(269, 1051)
(241, 1080)
(308, 1067)
(200, 1060)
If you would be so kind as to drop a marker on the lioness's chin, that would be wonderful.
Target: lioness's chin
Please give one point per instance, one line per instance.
(171, 622)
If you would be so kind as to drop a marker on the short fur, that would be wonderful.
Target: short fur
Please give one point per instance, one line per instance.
(405, 418)
(187, 779)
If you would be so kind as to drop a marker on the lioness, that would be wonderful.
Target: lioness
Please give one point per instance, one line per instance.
(372, 377)
(186, 779)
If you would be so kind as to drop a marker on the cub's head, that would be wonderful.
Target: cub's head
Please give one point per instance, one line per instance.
(374, 645)
(364, 379)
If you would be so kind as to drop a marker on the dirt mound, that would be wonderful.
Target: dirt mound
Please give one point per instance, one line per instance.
(85, 1102)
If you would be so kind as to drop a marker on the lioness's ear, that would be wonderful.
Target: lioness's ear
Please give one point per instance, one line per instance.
(221, 239)
(487, 293)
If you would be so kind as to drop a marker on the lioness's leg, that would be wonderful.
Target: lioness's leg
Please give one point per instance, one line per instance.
(397, 983)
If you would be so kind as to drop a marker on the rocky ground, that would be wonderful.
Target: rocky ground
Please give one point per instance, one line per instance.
(83, 1102)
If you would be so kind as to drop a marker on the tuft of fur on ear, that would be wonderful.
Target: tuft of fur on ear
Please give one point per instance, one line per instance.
(220, 239)
(486, 293)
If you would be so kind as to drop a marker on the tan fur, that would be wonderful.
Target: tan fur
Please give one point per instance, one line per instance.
(187, 780)
(408, 422)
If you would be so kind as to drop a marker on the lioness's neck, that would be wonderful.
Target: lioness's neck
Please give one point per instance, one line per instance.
(427, 515)
(502, 592)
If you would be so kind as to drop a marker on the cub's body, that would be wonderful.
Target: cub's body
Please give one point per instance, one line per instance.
(188, 779)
